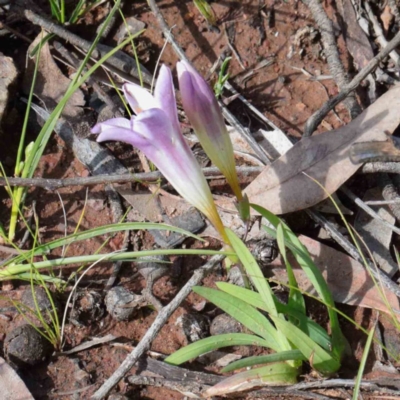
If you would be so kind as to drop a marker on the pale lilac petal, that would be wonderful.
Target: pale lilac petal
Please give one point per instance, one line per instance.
(117, 122)
(202, 87)
(123, 135)
(139, 99)
(155, 125)
(188, 92)
(165, 95)
(205, 115)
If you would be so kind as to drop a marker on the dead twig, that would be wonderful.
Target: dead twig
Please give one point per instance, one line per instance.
(158, 323)
(374, 167)
(229, 30)
(119, 63)
(368, 209)
(380, 36)
(318, 116)
(390, 193)
(117, 265)
(349, 248)
(52, 184)
(332, 53)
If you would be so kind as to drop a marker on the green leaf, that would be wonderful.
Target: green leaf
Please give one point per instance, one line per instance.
(206, 11)
(203, 346)
(296, 300)
(319, 359)
(103, 230)
(315, 276)
(364, 358)
(11, 271)
(307, 325)
(269, 358)
(244, 313)
(253, 271)
(274, 375)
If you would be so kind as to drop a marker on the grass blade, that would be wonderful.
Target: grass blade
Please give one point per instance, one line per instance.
(11, 271)
(313, 274)
(296, 300)
(254, 272)
(363, 361)
(307, 325)
(103, 230)
(242, 312)
(269, 358)
(203, 346)
(319, 359)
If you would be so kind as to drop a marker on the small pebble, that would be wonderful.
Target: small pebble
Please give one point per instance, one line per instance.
(25, 346)
(40, 301)
(88, 307)
(120, 303)
(224, 323)
(195, 326)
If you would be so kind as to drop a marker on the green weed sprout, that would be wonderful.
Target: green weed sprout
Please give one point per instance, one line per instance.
(223, 76)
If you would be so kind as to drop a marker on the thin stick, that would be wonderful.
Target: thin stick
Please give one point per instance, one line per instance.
(382, 202)
(319, 115)
(121, 62)
(349, 248)
(52, 184)
(158, 323)
(368, 209)
(380, 37)
(388, 167)
(332, 53)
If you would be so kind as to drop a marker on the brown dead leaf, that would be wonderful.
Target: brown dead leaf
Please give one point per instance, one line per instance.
(12, 386)
(51, 84)
(348, 280)
(284, 186)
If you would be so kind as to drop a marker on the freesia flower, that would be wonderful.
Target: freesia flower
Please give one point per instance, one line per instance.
(156, 132)
(205, 116)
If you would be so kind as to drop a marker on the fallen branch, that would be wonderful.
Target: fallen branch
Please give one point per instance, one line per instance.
(319, 115)
(119, 63)
(332, 53)
(350, 249)
(368, 209)
(158, 323)
(52, 184)
(380, 36)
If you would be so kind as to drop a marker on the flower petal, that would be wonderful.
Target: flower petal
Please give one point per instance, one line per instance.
(139, 99)
(155, 125)
(165, 95)
(206, 118)
(117, 122)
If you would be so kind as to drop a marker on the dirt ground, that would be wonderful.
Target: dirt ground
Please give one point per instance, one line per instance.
(281, 91)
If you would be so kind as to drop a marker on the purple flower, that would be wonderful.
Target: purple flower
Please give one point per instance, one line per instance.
(156, 132)
(205, 116)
